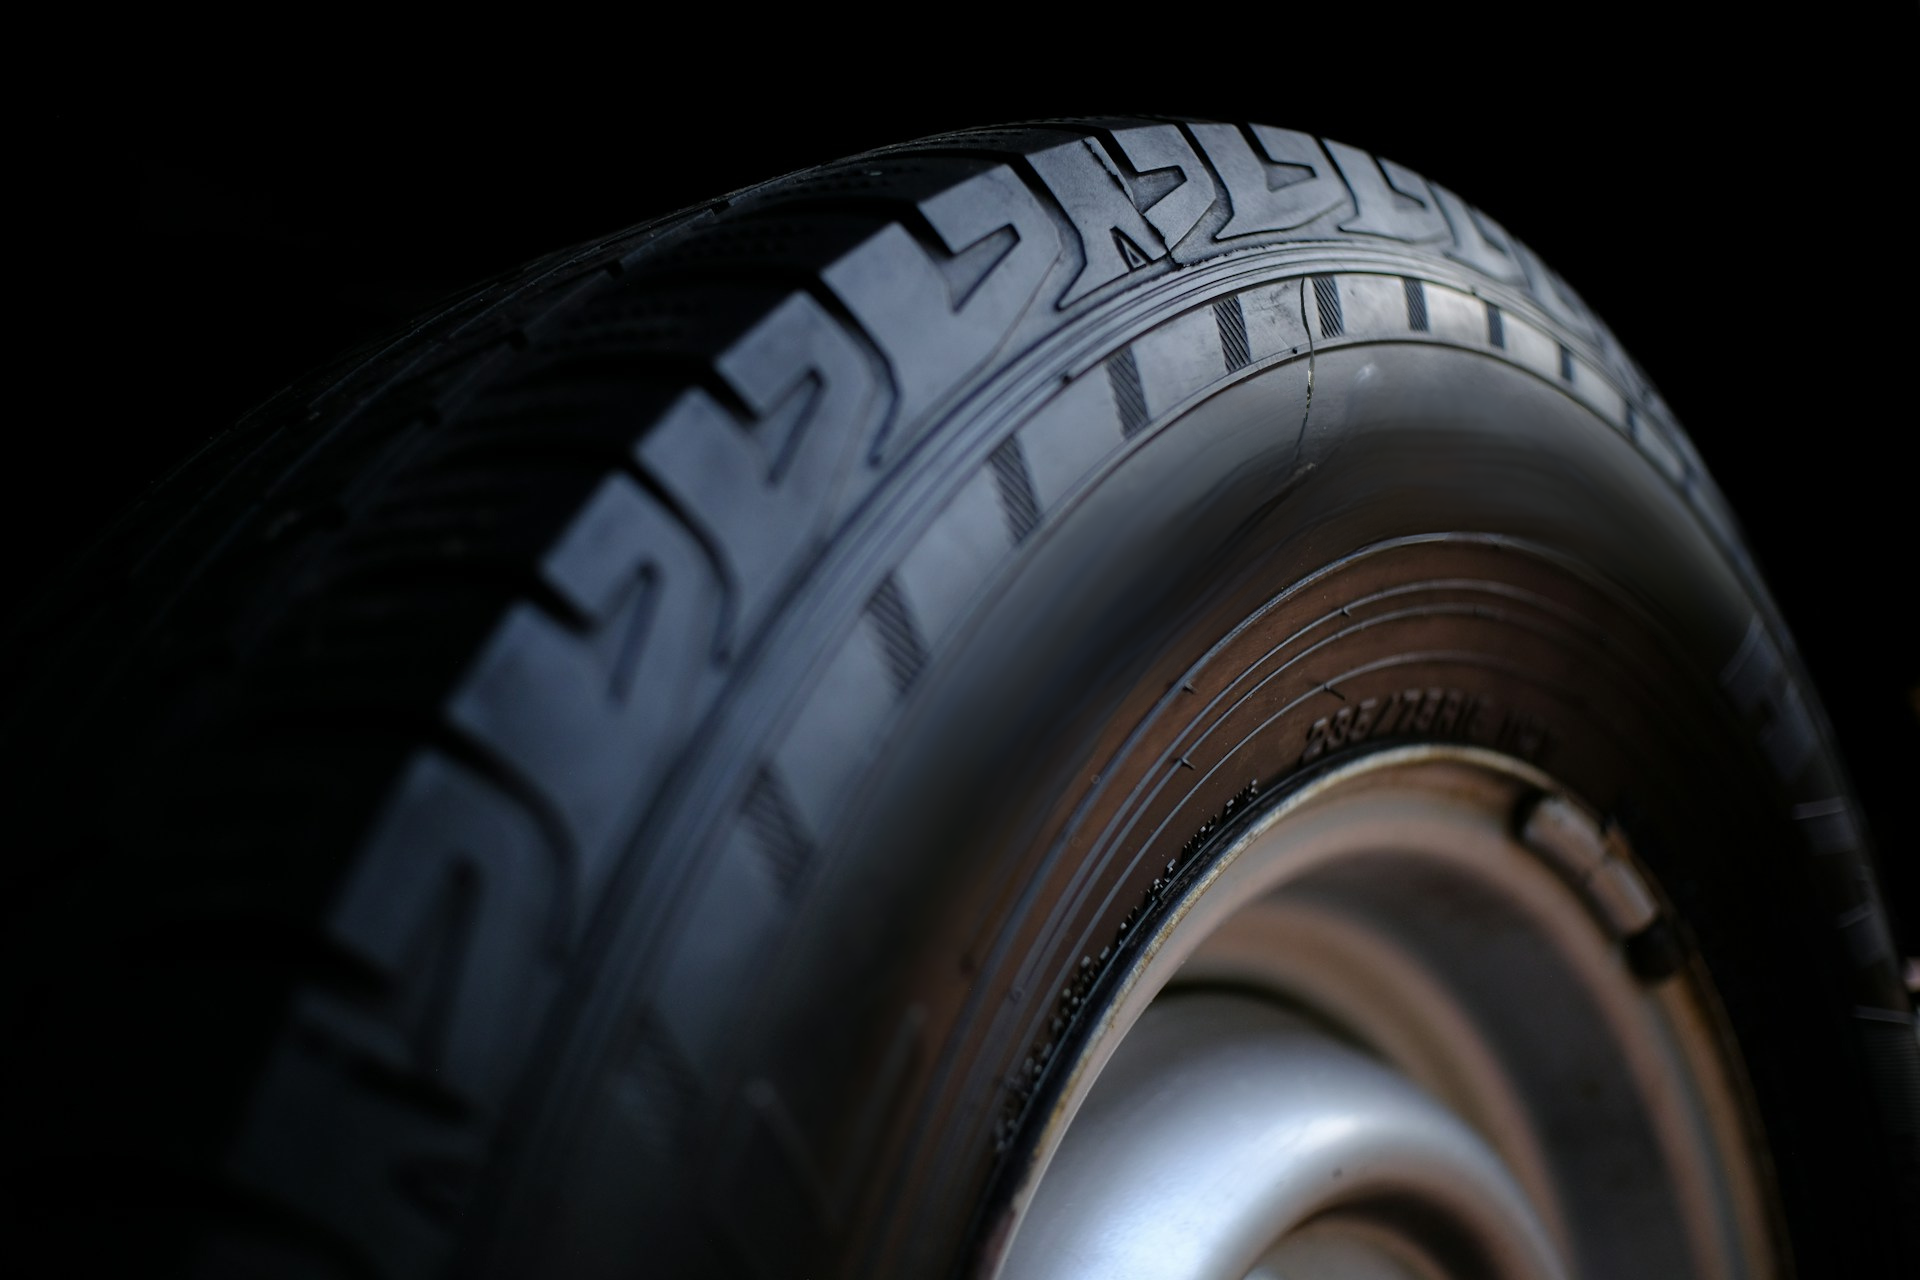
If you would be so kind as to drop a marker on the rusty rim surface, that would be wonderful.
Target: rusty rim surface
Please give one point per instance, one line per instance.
(1393, 1031)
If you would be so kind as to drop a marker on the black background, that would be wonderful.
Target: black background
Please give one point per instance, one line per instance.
(195, 238)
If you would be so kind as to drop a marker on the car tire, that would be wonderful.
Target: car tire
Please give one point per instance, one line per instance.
(674, 762)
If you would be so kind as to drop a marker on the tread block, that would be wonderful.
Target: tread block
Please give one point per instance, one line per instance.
(726, 931)
(1865, 929)
(773, 1166)
(1114, 238)
(1177, 360)
(1162, 150)
(1454, 316)
(1276, 319)
(932, 334)
(465, 992)
(461, 902)
(379, 1137)
(966, 544)
(1758, 682)
(1829, 824)
(1288, 183)
(767, 508)
(1478, 241)
(1595, 390)
(1553, 294)
(837, 733)
(1531, 348)
(1070, 435)
(1390, 199)
(635, 1107)
(1654, 444)
(582, 716)
(1371, 306)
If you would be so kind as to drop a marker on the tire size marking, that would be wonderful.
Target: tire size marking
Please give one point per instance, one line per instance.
(1428, 712)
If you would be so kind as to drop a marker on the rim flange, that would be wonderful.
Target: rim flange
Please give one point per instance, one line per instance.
(1697, 1100)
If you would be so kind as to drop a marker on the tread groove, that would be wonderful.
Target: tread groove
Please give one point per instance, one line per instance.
(1326, 298)
(1233, 333)
(1416, 304)
(899, 637)
(776, 827)
(1015, 484)
(1123, 372)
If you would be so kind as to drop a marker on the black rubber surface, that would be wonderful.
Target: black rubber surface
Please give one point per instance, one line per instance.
(491, 756)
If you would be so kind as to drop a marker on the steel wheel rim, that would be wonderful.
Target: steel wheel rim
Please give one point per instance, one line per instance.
(1392, 1030)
